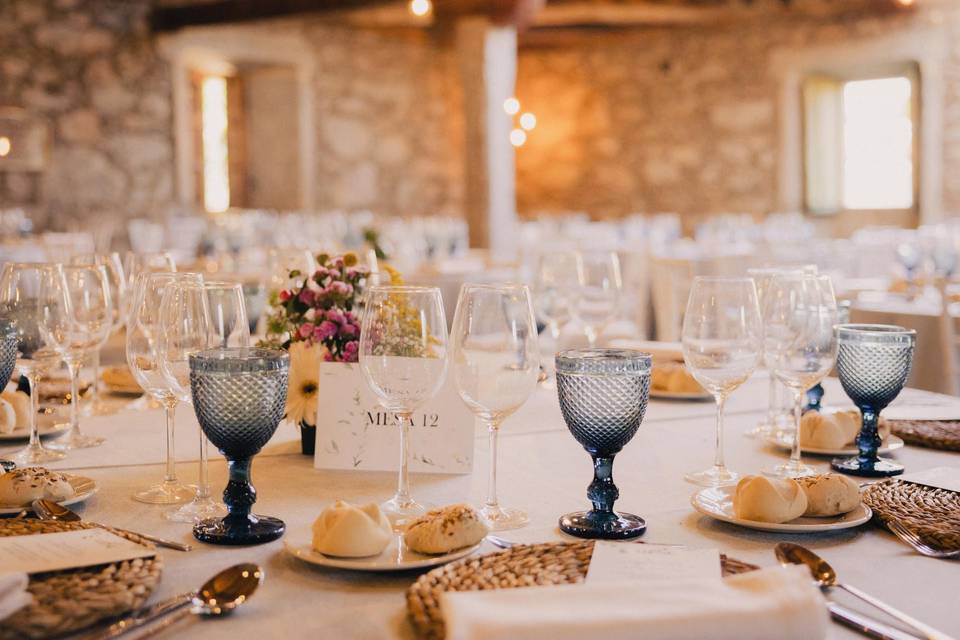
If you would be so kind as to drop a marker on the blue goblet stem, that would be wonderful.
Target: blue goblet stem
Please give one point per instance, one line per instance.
(240, 494)
(602, 492)
(868, 440)
(814, 397)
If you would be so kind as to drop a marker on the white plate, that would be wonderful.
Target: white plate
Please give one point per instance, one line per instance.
(22, 435)
(717, 502)
(396, 557)
(686, 396)
(84, 488)
(785, 441)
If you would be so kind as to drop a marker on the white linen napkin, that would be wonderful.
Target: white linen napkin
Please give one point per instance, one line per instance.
(777, 602)
(13, 593)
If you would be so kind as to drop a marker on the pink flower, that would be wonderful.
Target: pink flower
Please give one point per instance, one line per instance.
(348, 329)
(284, 295)
(306, 329)
(335, 315)
(340, 288)
(327, 356)
(350, 351)
(324, 330)
(307, 296)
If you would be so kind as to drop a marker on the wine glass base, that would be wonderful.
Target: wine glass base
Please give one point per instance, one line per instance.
(401, 510)
(36, 455)
(198, 510)
(603, 526)
(500, 519)
(790, 470)
(875, 468)
(166, 493)
(713, 477)
(75, 441)
(254, 530)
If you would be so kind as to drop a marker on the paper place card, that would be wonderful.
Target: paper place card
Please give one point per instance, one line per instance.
(67, 550)
(939, 478)
(355, 432)
(618, 561)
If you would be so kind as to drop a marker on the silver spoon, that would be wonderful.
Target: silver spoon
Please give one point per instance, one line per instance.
(824, 575)
(50, 510)
(218, 596)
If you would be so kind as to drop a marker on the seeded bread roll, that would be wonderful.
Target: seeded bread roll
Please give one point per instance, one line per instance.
(768, 500)
(445, 529)
(830, 494)
(20, 487)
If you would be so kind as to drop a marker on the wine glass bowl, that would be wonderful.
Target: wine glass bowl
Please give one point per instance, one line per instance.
(873, 363)
(239, 397)
(598, 293)
(603, 396)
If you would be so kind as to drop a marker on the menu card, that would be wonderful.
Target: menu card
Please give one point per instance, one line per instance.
(617, 561)
(67, 550)
(939, 477)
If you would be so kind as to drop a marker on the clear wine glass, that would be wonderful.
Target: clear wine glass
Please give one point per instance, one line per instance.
(403, 357)
(228, 314)
(24, 301)
(136, 263)
(555, 288)
(143, 342)
(117, 280)
(800, 346)
(722, 344)
(598, 293)
(75, 329)
(495, 363)
(186, 329)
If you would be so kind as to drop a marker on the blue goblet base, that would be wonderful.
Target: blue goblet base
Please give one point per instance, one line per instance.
(868, 468)
(252, 530)
(597, 525)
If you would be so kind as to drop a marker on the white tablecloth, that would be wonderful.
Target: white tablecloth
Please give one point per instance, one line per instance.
(542, 469)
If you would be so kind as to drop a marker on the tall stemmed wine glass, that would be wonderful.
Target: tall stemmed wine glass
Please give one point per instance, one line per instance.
(75, 329)
(799, 316)
(403, 357)
(229, 326)
(24, 301)
(722, 343)
(555, 288)
(144, 331)
(495, 363)
(598, 293)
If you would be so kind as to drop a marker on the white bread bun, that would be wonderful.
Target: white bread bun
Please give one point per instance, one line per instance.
(20, 487)
(827, 431)
(768, 500)
(8, 417)
(347, 531)
(21, 405)
(445, 529)
(830, 494)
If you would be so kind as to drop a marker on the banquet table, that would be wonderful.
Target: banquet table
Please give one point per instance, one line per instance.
(541, 469)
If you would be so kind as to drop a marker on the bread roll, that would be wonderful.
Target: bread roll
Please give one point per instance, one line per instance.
(682, 382)
(830, 494)
(20, 487)
(768, 500)
(21, 405)
(8, 417)
(828, 431)
(347, 531)
(445, 529)
(660, 377)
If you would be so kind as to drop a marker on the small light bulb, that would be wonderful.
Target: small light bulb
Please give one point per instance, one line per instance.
(420, 8)
(518, 137)
(4, 146)
(528, 121)
(511, 106)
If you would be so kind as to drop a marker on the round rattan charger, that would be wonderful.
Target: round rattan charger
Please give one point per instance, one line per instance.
(934, 434)
(67, 601)
(932, 513)
(520, 566)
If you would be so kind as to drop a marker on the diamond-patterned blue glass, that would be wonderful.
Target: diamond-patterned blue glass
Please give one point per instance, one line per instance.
(873, 362)
(603, 397)
(239, 395)
(9, 343)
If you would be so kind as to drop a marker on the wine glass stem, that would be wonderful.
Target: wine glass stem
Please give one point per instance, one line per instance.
(554, 328)
(95, 395)
(403, 481)
(170, 410)
(34, 380)
(718, 459)
(797, 417)
(591, 336)
(203, 485)
(73, 366)
(772, 401)
(493, 428)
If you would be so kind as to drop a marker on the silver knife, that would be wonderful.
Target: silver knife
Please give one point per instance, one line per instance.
(870, 627)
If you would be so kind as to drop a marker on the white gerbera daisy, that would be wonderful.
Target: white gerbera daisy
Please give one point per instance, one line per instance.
(304, 380)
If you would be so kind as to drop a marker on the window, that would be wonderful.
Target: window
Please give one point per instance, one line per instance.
(213, 134)
(860, 141)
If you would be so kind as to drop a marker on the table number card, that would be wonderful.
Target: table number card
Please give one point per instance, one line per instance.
(355, 432)
(616, 561)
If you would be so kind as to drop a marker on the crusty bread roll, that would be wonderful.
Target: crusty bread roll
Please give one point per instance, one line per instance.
(21, 405)
(768, 500)
(828, 430)
(20, 487)
(673, 377)
(445, 529)
(659, 377)
(830, 494)
(347, 531)
(8, 417)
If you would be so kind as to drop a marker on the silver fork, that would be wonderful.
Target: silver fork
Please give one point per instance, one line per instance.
(914, 540)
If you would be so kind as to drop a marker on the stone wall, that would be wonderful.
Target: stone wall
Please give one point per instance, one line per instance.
(684, 119)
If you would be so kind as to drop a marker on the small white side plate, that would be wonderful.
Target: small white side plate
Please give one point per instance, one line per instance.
(44, 430)
(717, 502)
(785, 441)
(84, 488)
(396, 557)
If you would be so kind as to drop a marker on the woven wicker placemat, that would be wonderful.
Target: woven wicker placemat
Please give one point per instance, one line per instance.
(68, 601)
(524, 565)
(932, 513)
(935, 434)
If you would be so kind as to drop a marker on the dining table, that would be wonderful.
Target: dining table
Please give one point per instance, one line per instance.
(542, 470)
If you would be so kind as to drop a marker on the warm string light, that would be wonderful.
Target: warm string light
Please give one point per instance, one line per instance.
(5, 146)
(527, 121)
(420, 8)
(518, 137)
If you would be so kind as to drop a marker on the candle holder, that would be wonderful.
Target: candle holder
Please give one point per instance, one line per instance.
(239, 395)
(603, 396)
(873, 361)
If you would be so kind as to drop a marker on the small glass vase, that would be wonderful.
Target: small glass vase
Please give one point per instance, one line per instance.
(308, 438)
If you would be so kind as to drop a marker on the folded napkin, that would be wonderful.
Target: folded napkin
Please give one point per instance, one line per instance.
(13, 593)
(778, 602)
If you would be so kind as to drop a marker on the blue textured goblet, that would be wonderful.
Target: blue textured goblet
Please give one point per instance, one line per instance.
(9, 344)
(603, 396)
(239, 395)
(873, 361)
